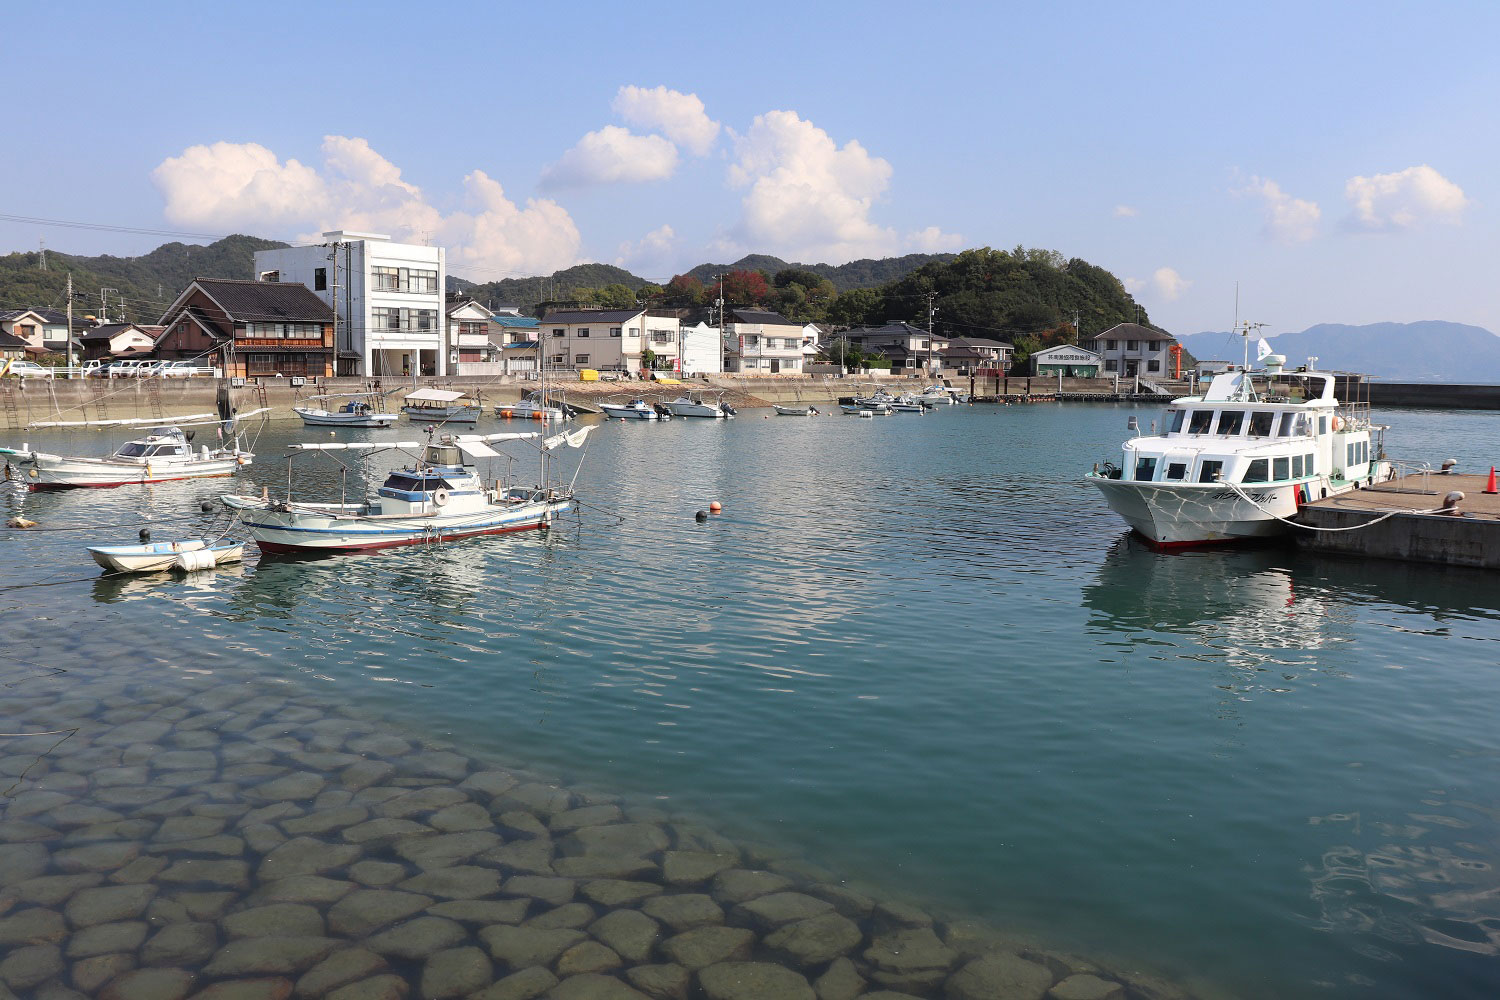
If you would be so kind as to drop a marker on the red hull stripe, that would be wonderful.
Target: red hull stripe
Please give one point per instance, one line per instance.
(366, 547)
(1206, 543)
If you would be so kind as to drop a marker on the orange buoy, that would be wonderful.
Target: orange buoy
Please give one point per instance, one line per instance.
(715, 507)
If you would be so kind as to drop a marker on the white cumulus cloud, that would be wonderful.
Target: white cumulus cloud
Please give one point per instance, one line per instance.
(808, 197)
(228, 186)
(651, 252)
(680, 117)
(613, 154)
(1126, 211)
(934, 240)
(1403, 199)
(1288, 219)
(1165, 284)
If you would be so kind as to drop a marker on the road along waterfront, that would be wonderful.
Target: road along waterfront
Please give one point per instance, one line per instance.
(913, 660)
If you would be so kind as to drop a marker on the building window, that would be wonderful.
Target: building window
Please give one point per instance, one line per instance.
(583, 331)
(614, 331)
(1132, 345)
(1153, 366)
(559, 332)
(1109, 345)
(661, 337)
(403, 279)
(559, 359)
(752, 341)
(392, 318)
(320, 279)
(580, 359)
(634, 331)
(1111, 365)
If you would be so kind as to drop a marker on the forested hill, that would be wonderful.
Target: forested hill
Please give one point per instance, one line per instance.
(147, 284)
(561, 286)
(863, 273)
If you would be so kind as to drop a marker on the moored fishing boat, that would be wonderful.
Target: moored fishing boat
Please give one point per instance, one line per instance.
(1238, 461)
(164, 454)
(803, 410)
(636, 409)
(692, 404)
(439, 497)
(533, 406)
(357, 412)
(440, 406)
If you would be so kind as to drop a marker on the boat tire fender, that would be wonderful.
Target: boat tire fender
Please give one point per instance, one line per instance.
(440, 497)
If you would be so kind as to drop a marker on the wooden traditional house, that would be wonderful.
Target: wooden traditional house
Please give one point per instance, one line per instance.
(250, 328)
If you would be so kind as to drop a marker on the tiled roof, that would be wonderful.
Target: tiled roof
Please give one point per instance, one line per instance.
(267, 301)
(107, 330)
(1132, 331)
(10, 342)
(763, 317)
(602, 316)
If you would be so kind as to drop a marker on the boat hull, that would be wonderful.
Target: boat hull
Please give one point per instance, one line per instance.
(1178, 515)
(54, 472)
(323, 418)
(312, 530)
(627, 413)
(696, 410)
(442, 415)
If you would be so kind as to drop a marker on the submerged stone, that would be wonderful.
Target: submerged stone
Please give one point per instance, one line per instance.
(417, 939)
(102, 939)
(108, 904)
(30, 965)
(524, 985)
(630, 933)
(259, 955)
(753, 981)
(150, 984)
(275, 918)
(705, 946)
(519, 947)
(339, 969)
(661, 982)
(181, 944)
(305, 856)
(91, 973)
(999, 975)
(455, 972)
(366, 910)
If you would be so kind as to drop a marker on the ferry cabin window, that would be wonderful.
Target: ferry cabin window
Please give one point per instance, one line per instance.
(1258, 470)
(1297, 472)
(1174, 421)
(1288, 421)
(1281, 469)
(1260, 424)
(1208, 471)
(1201, 421)
(1176, 470)
(1323, 425)
(1145, 469)
(1231, 422)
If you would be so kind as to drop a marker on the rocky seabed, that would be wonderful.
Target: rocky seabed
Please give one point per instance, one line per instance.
(236, 843)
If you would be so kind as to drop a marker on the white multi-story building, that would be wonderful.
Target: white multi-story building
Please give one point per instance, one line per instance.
(762, 342)
(702, 350)
(1131, 349)
(389, 298)
(607, 339)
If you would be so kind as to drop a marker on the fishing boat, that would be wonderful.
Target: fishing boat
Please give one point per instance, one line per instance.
(357, 412)
(439, 497)
(440, 406)
(941, 395)
(877, 398)
(692, 404)
(155, 557)
(794, 411)
(861, 409)
(533, 406)
(636, 409)
(907, 403)
(1238, 461)
(164, 454)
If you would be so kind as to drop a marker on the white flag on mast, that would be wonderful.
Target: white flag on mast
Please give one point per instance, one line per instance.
(1262, 349)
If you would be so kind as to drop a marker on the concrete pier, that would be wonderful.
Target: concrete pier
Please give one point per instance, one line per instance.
(1424, 529)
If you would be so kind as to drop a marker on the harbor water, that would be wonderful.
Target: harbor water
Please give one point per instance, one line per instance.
(916, 653)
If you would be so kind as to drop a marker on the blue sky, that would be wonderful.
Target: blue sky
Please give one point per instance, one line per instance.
(1336, 160)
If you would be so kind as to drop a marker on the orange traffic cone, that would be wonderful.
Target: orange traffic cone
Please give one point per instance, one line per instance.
(1491, 487)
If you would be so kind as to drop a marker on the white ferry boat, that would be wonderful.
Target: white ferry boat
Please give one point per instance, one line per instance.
(1238, 461)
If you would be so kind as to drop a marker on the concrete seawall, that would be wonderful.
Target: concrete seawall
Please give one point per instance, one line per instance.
(1362, 523)
(1433, 394)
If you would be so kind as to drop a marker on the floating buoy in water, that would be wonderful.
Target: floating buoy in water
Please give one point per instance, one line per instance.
(206, 506)
(715, 507)
(702, 515)
(20, 522)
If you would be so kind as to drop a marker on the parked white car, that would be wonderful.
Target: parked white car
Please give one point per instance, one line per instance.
(26, 369)
(129, 368)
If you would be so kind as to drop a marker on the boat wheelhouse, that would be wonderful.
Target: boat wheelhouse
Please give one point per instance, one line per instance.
(359, 410)
(441, 406)
(1238, 461)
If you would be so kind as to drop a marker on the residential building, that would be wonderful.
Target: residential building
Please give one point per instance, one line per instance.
(113, 340)
(388, 296)
(43, 330)
(469, 332)
(702, 350)
(12, 347)
(1130, 349)
(250, 328)
(760, 342)
(908, 348)
(514, 337)
(967, 355)
(608, 339)
(1067, 360)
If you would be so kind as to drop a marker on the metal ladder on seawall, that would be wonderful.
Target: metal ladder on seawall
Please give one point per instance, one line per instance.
(12, 411)
(153, 394)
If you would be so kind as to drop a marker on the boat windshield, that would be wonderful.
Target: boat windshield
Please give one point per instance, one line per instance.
(135, 449)
(407, 483)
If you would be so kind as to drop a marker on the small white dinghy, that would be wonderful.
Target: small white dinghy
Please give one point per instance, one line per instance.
(794, 411)
(155, 557)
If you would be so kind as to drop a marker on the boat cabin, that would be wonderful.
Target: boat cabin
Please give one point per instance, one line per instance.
(436, 480)
(1232, 434)
(158, 442)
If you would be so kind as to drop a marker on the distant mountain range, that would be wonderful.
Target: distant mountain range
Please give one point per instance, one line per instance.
(1429, 351)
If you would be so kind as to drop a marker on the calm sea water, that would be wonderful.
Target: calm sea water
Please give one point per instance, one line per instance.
(919, 650)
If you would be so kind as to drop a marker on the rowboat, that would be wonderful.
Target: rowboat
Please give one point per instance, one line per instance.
(155, 557)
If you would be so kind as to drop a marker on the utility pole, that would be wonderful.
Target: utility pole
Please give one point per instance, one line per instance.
(104, 304)
(931, 312)
(69, 331)
(44, 253)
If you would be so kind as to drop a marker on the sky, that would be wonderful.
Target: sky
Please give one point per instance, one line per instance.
(1320, 162)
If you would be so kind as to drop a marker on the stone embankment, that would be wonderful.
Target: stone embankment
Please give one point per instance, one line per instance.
(235, 843)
